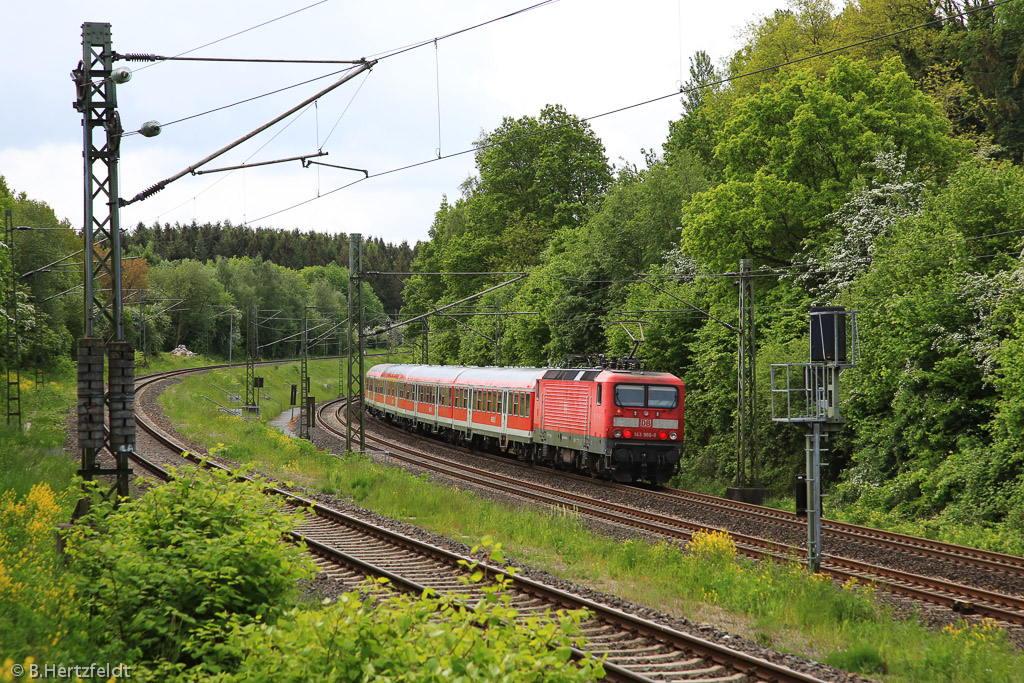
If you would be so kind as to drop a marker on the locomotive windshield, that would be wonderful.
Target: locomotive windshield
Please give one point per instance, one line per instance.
(631, 395)
(646, 396)
(662, 397)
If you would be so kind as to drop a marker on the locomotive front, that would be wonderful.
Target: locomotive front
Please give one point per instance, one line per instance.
(643, 424)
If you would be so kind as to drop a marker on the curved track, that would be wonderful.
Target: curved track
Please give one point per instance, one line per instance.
(635, 649)
(957, 596)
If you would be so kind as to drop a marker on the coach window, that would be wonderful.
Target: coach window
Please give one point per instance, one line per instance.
(526, 412)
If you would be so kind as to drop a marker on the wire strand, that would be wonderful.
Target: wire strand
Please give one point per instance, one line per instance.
(652, 100)
(238, 33)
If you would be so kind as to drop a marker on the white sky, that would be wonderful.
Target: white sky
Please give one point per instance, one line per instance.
(591, 56)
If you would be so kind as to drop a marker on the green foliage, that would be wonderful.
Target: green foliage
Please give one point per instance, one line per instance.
(37, 608)
(989, 50)
(375, 634)
(34, 454)
(934, 397)
(217, 299)
(793, 150)
(547, 171)
(292, 249)
(46, 320)
(539, 179)
(188, 554)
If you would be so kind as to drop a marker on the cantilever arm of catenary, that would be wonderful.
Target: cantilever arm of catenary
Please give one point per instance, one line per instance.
(365, 66)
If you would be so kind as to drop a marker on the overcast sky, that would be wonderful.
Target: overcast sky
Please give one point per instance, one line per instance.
(591, 56)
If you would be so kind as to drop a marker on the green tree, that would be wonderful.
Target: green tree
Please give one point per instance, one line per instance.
(938, 316)
(197, 285)
(547, 171)
(793, 151)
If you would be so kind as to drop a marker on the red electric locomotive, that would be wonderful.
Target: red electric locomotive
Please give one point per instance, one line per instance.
(618, 424)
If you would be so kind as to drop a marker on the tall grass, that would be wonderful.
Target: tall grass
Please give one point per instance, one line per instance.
(777, 604)
(35, 453)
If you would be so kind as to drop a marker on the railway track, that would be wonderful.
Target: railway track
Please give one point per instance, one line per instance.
(960, 597)
(635, 649)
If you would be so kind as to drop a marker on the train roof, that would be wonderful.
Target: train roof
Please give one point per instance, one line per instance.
(506, 376)
(461, 374)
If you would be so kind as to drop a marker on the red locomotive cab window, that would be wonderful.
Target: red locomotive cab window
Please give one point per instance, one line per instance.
(646, 396)
(629, 395)
(662, 397)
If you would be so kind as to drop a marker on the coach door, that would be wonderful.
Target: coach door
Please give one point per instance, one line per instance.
(503, 411)
(587, 428)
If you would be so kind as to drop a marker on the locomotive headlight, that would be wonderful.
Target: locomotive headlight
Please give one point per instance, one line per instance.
(628, 434)
(617, 433)
(673, 436)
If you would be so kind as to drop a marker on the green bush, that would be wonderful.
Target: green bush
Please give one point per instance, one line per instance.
(190, 553)
(375, 634)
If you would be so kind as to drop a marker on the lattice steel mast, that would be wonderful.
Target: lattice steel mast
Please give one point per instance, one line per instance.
(746, 384)
(354, 413)
(95, 81)
(305, 409)
(12, 354)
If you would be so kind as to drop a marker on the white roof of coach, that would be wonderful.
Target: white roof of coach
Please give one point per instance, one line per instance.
(524, 377)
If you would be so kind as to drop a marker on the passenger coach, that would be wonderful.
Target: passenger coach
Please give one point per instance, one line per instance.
(618, 424)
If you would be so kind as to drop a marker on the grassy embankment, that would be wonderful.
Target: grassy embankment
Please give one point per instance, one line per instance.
(1000, 537)
(778, 606)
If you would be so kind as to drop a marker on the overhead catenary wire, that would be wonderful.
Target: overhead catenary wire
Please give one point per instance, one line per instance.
(141, 57)
(246, 30)
(163, 183)
(246, 100)
(652, 100)
(382, 56)
(230, 173)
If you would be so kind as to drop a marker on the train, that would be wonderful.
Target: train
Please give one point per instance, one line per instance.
(623, 425)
